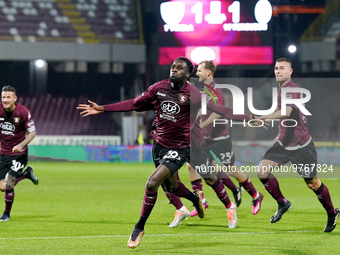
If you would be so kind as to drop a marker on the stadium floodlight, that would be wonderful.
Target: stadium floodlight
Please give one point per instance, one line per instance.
(200, 54)
(292, 48)
(40, 63)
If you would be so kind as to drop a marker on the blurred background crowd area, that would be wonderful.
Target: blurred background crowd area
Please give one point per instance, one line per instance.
(59, 53)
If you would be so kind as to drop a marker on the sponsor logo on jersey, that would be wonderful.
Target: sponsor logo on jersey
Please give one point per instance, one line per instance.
(182, 98)
(7, 128)
(16, 120)
(167, 117)
(161, 94)
(170, 107)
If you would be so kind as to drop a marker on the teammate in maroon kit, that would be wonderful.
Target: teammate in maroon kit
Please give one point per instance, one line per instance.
(294, 144)
(17, 131)
(219, 142)
(177, 138)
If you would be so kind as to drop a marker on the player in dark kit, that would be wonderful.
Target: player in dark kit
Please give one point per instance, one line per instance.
(177, 104)
(17, 131)
(293, 144)
(217, 139)
(219, 142)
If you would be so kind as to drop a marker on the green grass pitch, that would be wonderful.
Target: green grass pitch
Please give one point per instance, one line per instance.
(91, 208)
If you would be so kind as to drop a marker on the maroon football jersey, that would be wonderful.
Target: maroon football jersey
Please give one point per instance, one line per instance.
(14, 126)
(197, 137)
(172, 116)
(175, 114)
(211, 132)
(293, 137)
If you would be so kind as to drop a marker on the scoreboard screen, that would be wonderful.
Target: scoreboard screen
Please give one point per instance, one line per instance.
(228, 32)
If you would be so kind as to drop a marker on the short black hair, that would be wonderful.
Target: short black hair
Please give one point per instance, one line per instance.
(9, 88)
(285, 60)
(189, 63)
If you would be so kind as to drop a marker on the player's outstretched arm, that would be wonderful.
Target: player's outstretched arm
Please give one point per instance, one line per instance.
(228, 113)
(90, 109)
(255, 121)
(210, 120)
(277, 115)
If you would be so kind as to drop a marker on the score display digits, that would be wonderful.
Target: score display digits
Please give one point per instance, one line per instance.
(228, 32)
(173, 13)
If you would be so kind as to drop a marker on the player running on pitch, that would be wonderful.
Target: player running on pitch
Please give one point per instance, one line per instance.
(293, 144)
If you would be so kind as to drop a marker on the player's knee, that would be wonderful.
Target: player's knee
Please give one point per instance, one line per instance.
(9, 185)
(11, 182)
(151, 185)
(170, 189)
(231, 173)
(313, 183)
(210, 181)
(312, 186)
(264, 168)
(261, 175)
(261, 172)
(2, 185)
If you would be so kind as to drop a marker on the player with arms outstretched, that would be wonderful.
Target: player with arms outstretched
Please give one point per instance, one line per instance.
(176, 103)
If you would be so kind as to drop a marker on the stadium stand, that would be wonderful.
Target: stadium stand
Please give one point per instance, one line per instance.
(109, 19)
(323, 26)
(322, 38)
(82, 21)
(57, 115)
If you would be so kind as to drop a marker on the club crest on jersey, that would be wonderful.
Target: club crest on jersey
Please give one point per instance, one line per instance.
(182, 98)
(16, 120)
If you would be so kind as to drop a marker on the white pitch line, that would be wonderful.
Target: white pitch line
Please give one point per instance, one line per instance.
(157, 235)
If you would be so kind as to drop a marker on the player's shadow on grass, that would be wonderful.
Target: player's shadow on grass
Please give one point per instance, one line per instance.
(175, 246)
(29, 218)
(116, 222)
(222, 226)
